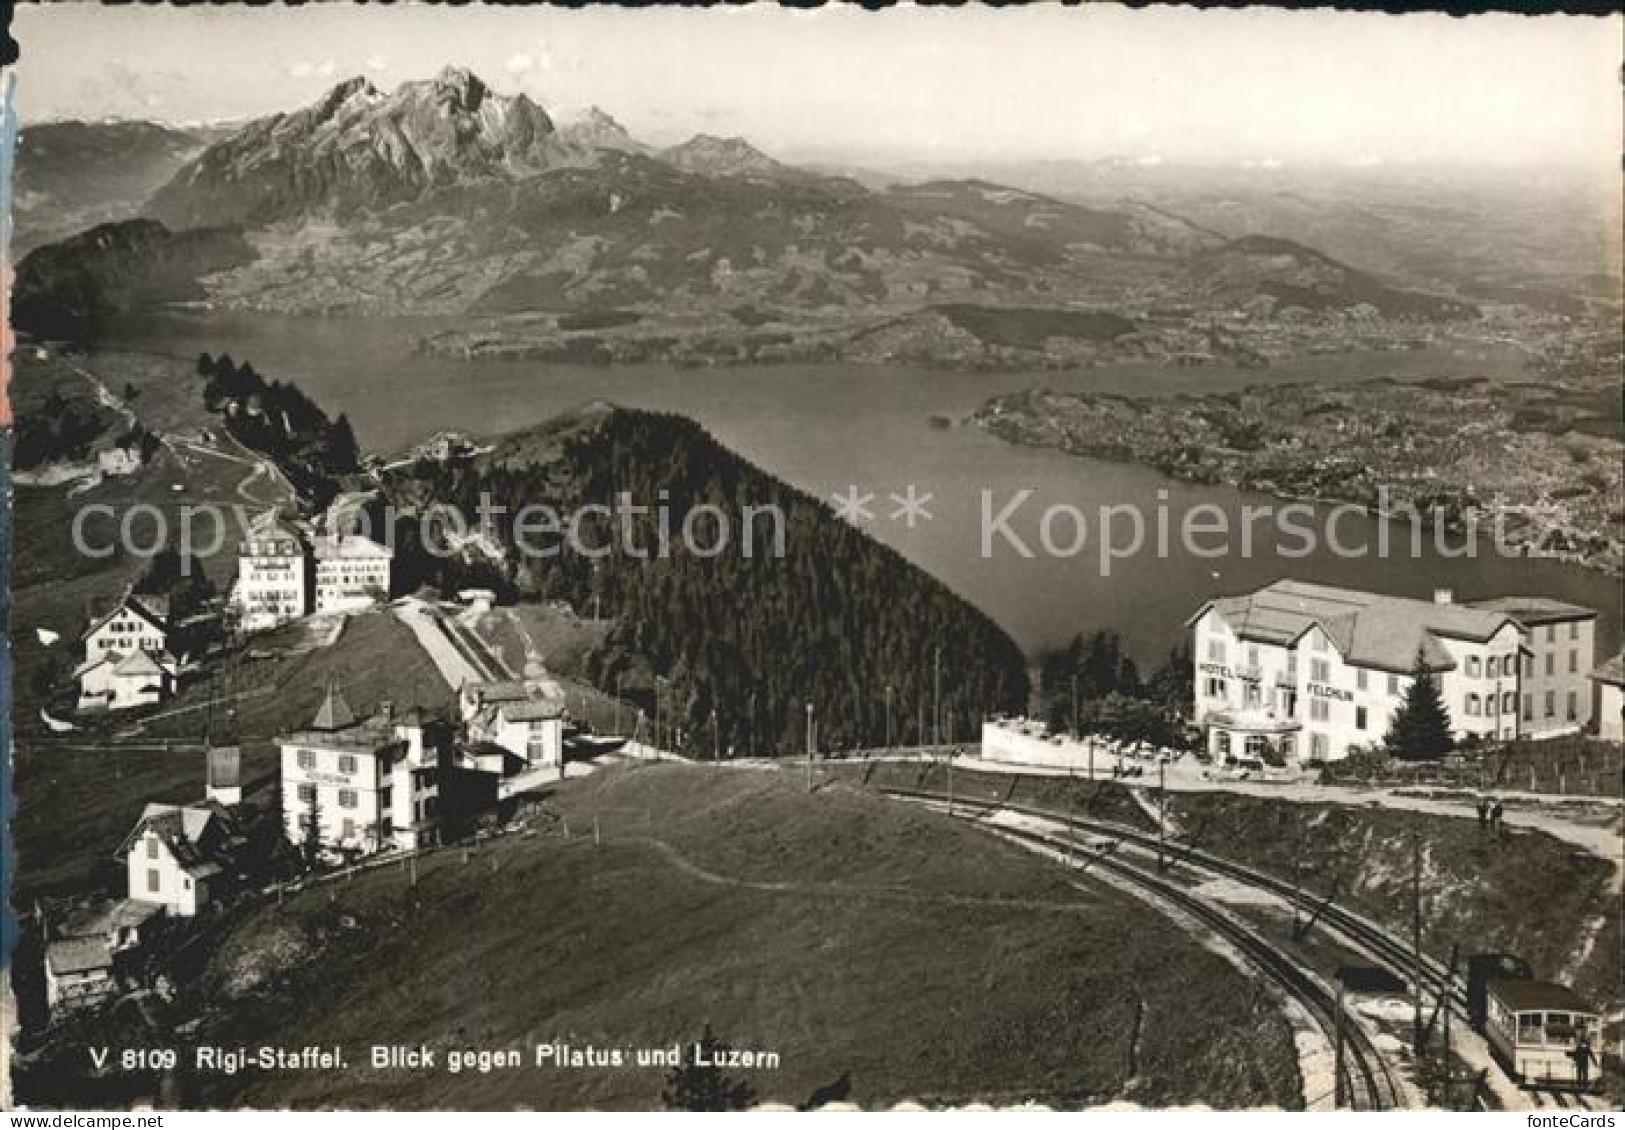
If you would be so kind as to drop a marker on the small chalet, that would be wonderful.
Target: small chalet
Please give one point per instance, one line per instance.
(127, 658)
(184, 858)
(516, 716)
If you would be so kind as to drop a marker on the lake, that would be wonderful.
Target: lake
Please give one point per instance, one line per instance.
(828, 427)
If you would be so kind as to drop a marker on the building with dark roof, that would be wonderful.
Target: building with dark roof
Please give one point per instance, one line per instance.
(184, 858)
(355, 785)
(1299, 671)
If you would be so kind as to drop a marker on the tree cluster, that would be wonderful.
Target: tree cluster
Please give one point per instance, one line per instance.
(61, 429)
(279, 420)
(1093, 686)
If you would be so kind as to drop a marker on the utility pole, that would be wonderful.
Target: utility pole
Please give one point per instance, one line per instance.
(888, 717)
(1076, 722)
(750, 730)
(657, 713)
(809, 744)
(1339, 1096)
(1162, 811)
(1416, 941)
(618, 728)
(716, 739)
(936, 697)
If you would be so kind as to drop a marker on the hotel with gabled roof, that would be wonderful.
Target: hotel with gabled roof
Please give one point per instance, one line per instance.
(1308, 672)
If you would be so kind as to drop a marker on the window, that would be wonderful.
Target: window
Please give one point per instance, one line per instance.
(1529, 666)
(1393, 684)
(1215, 651)
(1574, 629)
(1574, 706)
(1252, 694)
(1256, 745)
(346, 763)
(1360, 679)
(307, 794)
(1292, 665)
(1528, 708)
(1318, 746)
(1574, 661)
(347, 832)
(1472, 706)
(152, 847)
(1473, 670)
(1319, 709)
(1318, 642)
(1551, 704)
(346, 798)
(152, 880)
(1491, 705)
(1252, 657)
(1551, 663)
(1551, 633)
(307, 759)
(1215, 688)
(1320, 671)
(1359, 717)
(1221, 742)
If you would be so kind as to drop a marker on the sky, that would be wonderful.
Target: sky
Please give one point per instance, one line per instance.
(1041, 82)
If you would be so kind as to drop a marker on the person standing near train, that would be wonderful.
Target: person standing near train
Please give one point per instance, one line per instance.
(1582, 1061)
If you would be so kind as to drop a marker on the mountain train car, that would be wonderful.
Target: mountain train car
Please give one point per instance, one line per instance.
(1543, 1033)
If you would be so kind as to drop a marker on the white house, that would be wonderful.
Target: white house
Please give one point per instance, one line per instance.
(184, 858)
(1560, 651)
(136, 623)
(119, 682)
(1311, 672)
(272, 584)
(517, 716)
(352, 571)
(1610, 680)
(368, 784)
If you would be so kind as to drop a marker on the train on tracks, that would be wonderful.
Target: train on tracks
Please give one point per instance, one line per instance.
(1543, 1033)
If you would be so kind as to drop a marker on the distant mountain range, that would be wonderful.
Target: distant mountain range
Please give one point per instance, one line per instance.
(446, 197)
(70, 176)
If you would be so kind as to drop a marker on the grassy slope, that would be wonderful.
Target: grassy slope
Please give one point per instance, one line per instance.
(375, 657)
(920, 956)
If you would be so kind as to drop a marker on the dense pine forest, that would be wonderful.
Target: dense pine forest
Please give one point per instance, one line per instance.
(735, 644)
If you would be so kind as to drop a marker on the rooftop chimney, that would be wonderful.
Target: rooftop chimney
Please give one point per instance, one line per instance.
(1443, 596)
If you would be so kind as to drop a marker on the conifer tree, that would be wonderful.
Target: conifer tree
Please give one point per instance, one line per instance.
(1420, 729)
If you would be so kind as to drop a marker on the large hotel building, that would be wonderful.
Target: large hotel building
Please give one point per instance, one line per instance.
(1309, 672)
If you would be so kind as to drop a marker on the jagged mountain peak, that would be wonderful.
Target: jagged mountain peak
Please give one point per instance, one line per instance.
(462, 84)
(356, 148)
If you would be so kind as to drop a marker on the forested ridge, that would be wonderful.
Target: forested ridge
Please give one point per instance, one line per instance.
(834, 621)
